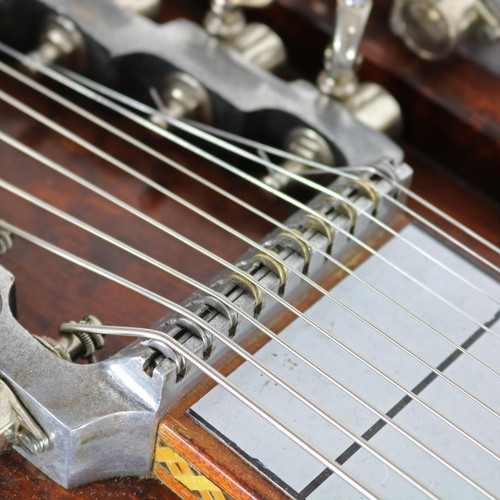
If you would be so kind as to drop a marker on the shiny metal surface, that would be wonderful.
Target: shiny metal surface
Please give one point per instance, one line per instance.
(434, 28)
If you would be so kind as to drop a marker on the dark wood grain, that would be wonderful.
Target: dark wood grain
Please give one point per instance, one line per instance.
(51, 291)
(451, 108)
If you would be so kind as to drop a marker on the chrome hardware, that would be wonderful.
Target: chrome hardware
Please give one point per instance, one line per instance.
(433, 28)
(221, 308)
(310, 221)
(369, 102)
(61, 42)
(339, 78)
(74, 346)
(344, 209)
(367, 189)
(259, 45)
(82, 406)
(177, 359)
(191, 327)
(275, 266)
(241, 281)
(183, 96)
(307, 144)
(256, 42)
(293, 239)
(17, 427)
(147, 8)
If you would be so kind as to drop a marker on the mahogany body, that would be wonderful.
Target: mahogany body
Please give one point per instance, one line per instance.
(50, 291)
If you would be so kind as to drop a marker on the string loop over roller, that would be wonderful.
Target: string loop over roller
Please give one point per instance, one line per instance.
(241, 280)
(310, 221)
(367, 189)
(343, 208)
(176, 358)
(206, 338)
(221, 308)
(292, 239)
(275, 266)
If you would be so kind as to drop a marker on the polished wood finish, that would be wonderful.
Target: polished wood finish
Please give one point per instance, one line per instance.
(451, 108)
(51, 291)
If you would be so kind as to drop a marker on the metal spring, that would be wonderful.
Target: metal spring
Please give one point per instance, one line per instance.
(91, 341)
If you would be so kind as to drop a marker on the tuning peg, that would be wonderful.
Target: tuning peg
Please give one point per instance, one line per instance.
(256, 42)
(369, 102)
(305, 143)
(433, 28)
(182, 96)
(60, 42)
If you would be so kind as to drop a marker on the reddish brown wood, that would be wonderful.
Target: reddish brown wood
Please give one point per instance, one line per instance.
(451, 108)
(51, 291)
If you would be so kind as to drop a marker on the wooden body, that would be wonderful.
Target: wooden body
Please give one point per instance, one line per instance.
(50, 291)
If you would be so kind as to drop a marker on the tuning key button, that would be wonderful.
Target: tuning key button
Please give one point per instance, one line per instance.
(433, 28)
(304, 143)
(183, 96)
(256, 42)
(61, 42)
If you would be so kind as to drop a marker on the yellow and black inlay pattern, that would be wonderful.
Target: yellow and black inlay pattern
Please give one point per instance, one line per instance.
(167, 461)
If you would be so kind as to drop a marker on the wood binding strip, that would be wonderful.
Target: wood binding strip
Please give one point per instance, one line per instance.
(180, 476)
(206, 453)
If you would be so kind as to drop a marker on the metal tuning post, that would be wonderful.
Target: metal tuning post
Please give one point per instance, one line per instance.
(433, 28)
(72, 346)
(305, 143)
(182, 96)
(62, 42)
(256, 42)
(368, 101)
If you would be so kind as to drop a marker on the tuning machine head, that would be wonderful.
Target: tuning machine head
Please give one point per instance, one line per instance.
(62, 42)
(256, 42)
(370, 103)
(433, 28)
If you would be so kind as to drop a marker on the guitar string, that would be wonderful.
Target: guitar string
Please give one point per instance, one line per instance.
(123, 205)
(176, 346)
(99, 152)
(362, 319)
(384, 194)
(344, 172)
(147, 124)
(248, 357)
(146, 258)
(204, 154)
(405, 350)
(187, 126)
(227, 341)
